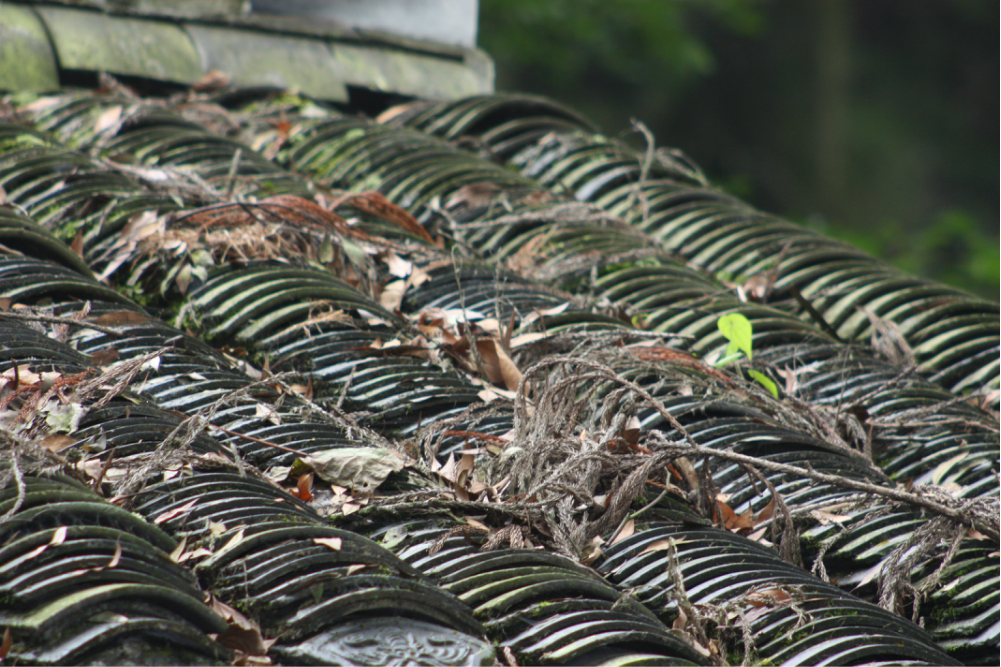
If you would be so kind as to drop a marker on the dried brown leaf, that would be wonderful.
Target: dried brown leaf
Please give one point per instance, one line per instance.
(498, 366)
(57, 442)
(359, 468)
(211, 80)
(233, 541)
(242, 634)
(474, 195)
(77, 244)
(108, 119)
(334, 543)
(768, 596)
(304, 390)
(121, 318)
(732, 521)
(792, 382)
(200, 552)
(663, 545)
(177, 511)
(592, 551)
(175, 555)
(827, 517)
(375, 203)
(766, 513)
(304, 487)
(627, 529)
(398, 267)
(477, 525)
(392, 295)
(631, 431)
(104, 357)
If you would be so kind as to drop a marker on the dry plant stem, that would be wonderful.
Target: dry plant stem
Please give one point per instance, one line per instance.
(519, 510)
(680, 596)
(637, 513)
(15, 472)
(932, 582)
(234, 168)
(600, 371)
(344, 389)
(52, 319)
(894, 577)
(648, 156)
(104, 469)
(332, 414)
(258, 440)
(990, 529)
(178, 442)
(125, 373)
(789, 546)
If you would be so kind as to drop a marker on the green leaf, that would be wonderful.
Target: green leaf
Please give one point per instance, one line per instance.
(737, 329)
(728, 357)
(764, 381)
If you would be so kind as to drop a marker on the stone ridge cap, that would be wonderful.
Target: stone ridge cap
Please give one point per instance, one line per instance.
(315, 27)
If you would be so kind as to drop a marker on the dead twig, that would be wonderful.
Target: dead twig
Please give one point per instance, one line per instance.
(22, 491)
(986, 525)
(258, 440)
(52, 319)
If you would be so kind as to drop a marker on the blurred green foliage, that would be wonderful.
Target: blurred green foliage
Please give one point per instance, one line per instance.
(872, 120)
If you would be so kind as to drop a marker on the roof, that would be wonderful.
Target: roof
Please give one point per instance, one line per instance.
(45, 45)
(301, 378)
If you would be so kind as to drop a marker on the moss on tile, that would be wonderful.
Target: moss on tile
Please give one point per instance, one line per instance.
(26, 58)
(254, 58)
(406, 73)
(88, 40)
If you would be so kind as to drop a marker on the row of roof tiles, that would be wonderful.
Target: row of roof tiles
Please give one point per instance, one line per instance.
(170, 157)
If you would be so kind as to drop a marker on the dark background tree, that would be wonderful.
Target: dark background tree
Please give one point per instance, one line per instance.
(875, 121)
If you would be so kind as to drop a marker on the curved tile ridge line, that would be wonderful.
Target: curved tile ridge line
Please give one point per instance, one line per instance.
(661, 193)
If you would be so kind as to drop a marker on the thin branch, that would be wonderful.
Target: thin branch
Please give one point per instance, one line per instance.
(986, 525)
(257, 440)
(52, 319)
(990, 529)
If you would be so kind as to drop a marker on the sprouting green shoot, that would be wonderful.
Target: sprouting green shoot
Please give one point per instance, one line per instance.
(737, 329)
